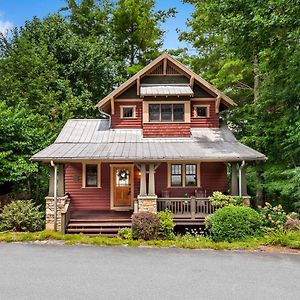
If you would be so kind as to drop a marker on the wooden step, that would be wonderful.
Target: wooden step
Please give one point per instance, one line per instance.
(96, 224)
(101, 220)
(100, 230)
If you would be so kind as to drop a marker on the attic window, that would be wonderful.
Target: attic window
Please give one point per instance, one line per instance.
(127, 112)
(201, 111)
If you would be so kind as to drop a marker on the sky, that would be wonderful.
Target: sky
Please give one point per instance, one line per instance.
(15, 12)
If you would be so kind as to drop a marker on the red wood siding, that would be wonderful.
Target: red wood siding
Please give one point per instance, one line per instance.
(92, 198)
(212, 121)
(117, 122)
(166, 130)
(213, 177)
(87, 198)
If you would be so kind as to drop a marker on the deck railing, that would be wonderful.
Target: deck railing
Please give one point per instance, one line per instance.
(186, 208)
(65, 217)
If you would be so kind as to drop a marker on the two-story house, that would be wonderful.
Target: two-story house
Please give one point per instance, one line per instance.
(158, 143)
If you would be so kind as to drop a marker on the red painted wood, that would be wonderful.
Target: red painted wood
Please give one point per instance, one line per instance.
(92, 198)
(213, 177)
(118, 122)
(166, 130)
(87, 198)
(212, 121)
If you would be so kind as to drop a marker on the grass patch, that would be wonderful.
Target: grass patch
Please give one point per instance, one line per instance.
(188, 241)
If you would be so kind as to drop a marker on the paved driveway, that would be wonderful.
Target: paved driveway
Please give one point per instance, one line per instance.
(29, 271)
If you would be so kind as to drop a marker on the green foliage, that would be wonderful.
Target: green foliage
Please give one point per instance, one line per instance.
(291, 224)
(218, 199)
(21, 215)
(274, 217)
(281, 238)
(145, 226)
(136, 31)
(166, 225)
(125, 233)
(232, 223)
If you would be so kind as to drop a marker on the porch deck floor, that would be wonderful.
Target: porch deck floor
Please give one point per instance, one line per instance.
(99, 215)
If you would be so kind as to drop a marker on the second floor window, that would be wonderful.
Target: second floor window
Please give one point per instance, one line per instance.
(166, 112)
(127, 112)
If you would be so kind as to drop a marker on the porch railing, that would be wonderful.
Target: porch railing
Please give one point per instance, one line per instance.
(186, 208)
(65, 217)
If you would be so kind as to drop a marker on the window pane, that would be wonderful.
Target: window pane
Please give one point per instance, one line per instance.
(91, 175)
(127, 112)
(176, 175)
(166, 112)
(178, 112)
(154, 112)
(201, 111)
(191, 175)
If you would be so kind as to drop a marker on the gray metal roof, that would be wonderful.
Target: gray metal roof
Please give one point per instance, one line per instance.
(166, 90)
(93, 140)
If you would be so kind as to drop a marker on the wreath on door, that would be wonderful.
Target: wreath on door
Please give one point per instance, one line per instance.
(123, 174)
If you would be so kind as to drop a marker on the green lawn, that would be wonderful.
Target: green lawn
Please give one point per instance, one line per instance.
(290, 240)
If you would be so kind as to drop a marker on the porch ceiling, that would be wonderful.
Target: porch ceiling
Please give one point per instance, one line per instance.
(89, 140)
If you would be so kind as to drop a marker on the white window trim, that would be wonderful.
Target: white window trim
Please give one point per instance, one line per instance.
(84, 175)
(207, 106)
(183, 174)
(128, 106)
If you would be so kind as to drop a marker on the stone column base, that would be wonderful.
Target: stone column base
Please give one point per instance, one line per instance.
(61, 202)
(147, 203)
(246, 200)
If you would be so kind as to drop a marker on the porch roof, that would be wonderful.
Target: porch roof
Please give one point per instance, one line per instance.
(93, 140)
(166, 90)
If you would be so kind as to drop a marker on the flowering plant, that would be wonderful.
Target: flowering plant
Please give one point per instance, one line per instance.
(274, 217)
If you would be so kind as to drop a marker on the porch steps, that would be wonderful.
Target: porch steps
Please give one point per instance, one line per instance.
(97, 227)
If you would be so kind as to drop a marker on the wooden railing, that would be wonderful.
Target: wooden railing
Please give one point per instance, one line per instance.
(189, 208)
(65, 217)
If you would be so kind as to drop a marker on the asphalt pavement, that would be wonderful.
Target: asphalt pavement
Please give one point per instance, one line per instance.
(30, 271)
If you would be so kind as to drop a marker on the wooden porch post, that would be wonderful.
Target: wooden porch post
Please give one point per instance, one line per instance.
(51, 182)
(234, 180)
(143, 188)
(151, 190)
(60, 181)
(244, 182)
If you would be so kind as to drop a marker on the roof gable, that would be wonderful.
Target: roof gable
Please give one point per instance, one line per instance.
(167, 65)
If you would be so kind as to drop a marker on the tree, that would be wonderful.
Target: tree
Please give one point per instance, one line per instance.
(136, 31)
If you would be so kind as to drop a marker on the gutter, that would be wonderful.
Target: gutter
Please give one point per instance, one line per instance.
(55, 194)
(240, 177)
(106, 115)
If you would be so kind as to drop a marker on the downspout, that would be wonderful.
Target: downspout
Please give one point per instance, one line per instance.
(106, 115)
(55, 194)
(240, 177)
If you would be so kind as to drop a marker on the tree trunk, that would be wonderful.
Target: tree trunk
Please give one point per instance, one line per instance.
(256, 77)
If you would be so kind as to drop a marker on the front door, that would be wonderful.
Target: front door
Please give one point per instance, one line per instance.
(122, 186)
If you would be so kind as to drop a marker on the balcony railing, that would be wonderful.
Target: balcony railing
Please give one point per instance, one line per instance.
(186, 208)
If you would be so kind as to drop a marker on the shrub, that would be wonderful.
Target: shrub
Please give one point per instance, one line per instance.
(232, 223)
(166, 225)
(274, 217)
(145, 226)
(125, 233)
(291, 224)
(220, 200)
(21, 215)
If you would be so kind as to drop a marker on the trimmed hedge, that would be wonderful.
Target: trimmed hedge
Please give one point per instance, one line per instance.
(233, 223)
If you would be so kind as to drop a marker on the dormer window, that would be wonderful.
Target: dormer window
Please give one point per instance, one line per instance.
(201, 111)
(166, 112)
(127, 112)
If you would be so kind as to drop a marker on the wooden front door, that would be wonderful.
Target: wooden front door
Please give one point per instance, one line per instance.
(122, 186)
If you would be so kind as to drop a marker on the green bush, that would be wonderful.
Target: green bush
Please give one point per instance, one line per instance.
(21, 215)
(166, 225)
(145, 225)
(233, 223)
(218, 199)
(125, 233)
(291, 224)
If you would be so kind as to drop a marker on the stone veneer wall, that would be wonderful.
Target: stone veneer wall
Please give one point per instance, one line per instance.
(147, 203)
(61, 202)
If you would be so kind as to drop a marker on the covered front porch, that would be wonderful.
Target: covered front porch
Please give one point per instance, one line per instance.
(75, 206)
